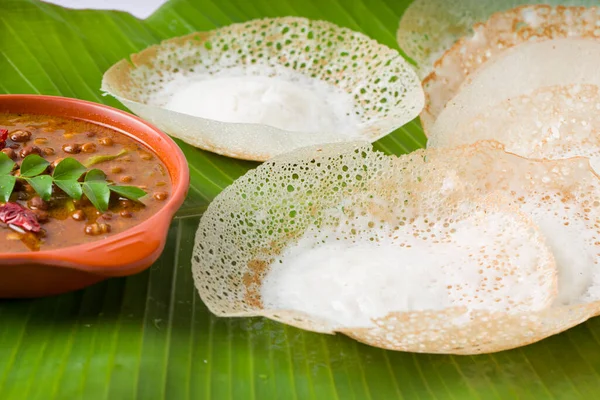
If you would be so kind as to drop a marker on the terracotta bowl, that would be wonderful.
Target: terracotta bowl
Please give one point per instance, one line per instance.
(43, 273)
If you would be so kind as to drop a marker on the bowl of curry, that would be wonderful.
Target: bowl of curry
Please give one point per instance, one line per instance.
(87, 192)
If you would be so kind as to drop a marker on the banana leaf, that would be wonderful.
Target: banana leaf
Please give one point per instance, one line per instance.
(149, 336)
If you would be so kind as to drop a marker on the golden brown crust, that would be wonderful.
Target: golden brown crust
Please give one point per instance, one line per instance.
(419, 332)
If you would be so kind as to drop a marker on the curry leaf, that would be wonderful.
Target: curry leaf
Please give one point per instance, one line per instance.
(98, 193)
(7, 184)
(42, 185)
(6, 164)
(68, 169)
(71, 187)
(33, 165)
(100, 159)
(95, 175)
(129, 192)
(65, 175)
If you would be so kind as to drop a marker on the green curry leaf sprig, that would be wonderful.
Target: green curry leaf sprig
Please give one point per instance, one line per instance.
(67, 176)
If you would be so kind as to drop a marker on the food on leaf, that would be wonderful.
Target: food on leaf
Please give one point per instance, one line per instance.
(429, 28)
(260, 88)
(531, 99)
(503, 31)
(519, 71)
(493, 251)
(514, 81)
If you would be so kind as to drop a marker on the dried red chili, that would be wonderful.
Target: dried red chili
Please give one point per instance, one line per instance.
(16, 214)
(3, 137)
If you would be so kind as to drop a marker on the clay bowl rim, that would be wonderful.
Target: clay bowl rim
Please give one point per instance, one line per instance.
(157, 225)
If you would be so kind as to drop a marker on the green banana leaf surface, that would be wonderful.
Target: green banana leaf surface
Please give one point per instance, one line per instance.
(150, 336)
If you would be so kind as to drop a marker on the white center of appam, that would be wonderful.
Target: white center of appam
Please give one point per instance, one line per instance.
(293, 103)
(573, 245)
(488, 261)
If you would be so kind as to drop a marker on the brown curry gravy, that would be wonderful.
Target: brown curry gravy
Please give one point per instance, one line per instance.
(69, 222)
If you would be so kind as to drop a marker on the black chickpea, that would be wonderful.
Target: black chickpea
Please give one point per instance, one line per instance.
(126, 214)
(78, 215)
(107, 216)
(105, 141)
(49, 151)
(88, 148)
(36, 202)
(92, 229)
(97, 229)
(161, 196)
(29, 149)
(126, 203)
(72, 148)
(20, 136)
(10, 153)
(15, 146)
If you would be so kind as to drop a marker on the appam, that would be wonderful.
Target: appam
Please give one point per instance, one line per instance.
(335, 194)
(428, 28)
(502, 31)
(519, 71)
(383, 90)
(553, 122)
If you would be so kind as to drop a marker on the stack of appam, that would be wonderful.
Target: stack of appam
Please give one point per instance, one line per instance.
(527, 77)
(486, 241)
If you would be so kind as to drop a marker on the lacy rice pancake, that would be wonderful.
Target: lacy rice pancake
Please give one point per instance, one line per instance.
(519, 71)
(319, 239)
(260, 88)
